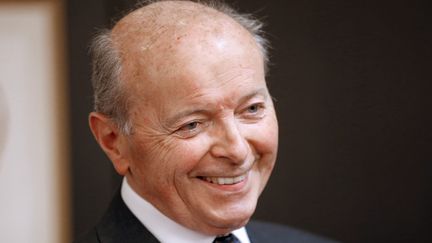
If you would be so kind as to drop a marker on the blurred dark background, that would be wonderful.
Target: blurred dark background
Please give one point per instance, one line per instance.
(352, 81)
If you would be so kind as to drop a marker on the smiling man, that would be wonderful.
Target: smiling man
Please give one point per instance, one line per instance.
(183, 112)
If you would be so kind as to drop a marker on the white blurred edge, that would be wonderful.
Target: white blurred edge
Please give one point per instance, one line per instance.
(31, 163)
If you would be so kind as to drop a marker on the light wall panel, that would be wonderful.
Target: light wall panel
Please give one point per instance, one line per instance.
(33, 207)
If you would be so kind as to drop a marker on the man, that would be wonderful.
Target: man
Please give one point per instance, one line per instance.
(184, 114)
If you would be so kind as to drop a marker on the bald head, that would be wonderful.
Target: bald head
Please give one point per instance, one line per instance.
(167, 21)
(154, 21)
(153, 32)
(165, 36)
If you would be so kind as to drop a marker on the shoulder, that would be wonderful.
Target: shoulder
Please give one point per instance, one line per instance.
(89, 237)
(118, 224)
(259, 231)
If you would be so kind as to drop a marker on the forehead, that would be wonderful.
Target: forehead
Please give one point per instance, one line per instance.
(149, 27)
(170, 42)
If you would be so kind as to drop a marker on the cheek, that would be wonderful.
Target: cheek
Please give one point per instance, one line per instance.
(265, 144)
(265, 136)
(150, 162)
(174, 156)
(188, 153)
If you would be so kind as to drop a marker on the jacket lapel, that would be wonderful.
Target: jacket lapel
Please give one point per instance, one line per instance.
(120, 225)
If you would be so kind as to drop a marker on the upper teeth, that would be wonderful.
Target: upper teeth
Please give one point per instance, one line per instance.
(225, 180)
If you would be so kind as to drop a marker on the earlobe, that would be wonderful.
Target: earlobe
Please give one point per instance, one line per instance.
(110, 139)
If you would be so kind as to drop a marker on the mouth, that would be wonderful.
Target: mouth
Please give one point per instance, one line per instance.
(223, 180)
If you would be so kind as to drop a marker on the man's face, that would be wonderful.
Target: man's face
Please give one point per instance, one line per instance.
(205, 133)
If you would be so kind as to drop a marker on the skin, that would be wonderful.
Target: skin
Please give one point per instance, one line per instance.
(200, 109)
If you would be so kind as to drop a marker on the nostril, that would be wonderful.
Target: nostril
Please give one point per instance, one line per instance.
(235, 153)
(229, 142)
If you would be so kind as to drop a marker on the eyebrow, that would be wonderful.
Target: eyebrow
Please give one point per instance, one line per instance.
(262, 91)
(187, 112)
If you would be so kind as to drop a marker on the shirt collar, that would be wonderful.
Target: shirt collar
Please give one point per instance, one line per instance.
(162, 227)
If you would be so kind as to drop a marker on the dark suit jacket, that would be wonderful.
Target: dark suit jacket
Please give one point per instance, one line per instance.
(119, 225)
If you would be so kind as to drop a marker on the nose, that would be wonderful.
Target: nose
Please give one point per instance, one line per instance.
(229, 143)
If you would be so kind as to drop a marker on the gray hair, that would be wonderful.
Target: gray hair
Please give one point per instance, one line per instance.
(110, 98)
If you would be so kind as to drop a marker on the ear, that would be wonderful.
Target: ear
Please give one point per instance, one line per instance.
(111, 140)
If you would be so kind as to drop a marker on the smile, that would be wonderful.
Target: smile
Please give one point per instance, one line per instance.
(225, 180)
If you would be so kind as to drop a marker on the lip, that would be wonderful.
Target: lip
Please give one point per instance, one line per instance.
(235, 187)
(225, 180)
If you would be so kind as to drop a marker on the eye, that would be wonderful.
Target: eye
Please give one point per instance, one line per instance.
(190, 129)
(190, 126)
(253, 108)
(254, 111)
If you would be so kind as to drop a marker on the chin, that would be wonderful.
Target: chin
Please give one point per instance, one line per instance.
(232, 219)
(227, 227)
